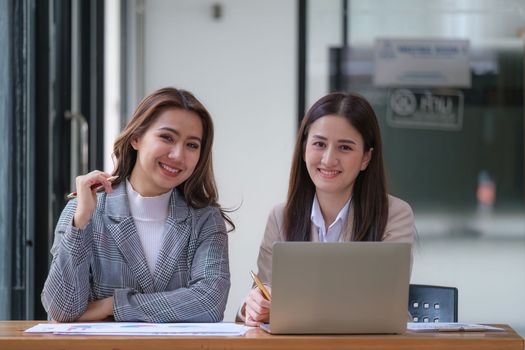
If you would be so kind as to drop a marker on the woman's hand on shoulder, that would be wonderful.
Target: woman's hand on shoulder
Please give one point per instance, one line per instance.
(87, 195)
(257, 308)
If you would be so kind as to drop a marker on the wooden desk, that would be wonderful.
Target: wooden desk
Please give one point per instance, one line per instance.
(12, 336)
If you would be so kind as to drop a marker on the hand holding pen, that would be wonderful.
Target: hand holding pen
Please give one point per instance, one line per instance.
(87, 187)
(261, 286)
(257, 309)
(97, 187)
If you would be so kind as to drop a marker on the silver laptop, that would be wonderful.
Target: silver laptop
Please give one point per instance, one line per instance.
(339, 288)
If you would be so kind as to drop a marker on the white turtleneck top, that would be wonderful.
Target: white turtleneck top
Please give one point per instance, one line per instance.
(149, 214)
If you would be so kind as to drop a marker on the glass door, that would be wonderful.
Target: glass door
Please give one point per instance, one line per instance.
(446, 82)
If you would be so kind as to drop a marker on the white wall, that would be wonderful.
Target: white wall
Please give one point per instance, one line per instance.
(112, 79)
(242, 67)
(488, 273)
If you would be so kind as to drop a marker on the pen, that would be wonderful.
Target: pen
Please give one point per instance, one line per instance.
(261, 286)
(96, 187)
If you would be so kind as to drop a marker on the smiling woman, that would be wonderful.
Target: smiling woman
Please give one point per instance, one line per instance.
(152, 247)
(334, 156)
(337, 190)
(168, 152)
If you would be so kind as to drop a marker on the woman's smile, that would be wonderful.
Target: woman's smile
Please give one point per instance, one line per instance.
(169, 170)
(328, 173)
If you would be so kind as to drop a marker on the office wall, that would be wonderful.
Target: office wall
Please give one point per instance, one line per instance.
(243, 68)
(487, 271)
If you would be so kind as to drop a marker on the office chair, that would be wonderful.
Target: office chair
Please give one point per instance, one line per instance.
(433, 303)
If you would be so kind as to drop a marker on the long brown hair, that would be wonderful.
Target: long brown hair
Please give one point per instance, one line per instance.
(369, 198)
(199, 189)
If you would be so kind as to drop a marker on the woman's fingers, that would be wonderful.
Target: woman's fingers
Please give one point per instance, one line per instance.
(251, 323)
(257, 308)
(98, 310)
(258, 301)
(86, 195)
(91, 181)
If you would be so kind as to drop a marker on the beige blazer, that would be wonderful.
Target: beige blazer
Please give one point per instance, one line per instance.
(399, 228)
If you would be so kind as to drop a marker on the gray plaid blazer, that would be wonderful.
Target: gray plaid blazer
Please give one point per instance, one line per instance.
(191, 280)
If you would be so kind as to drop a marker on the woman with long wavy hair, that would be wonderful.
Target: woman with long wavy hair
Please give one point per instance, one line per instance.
(153, 246)
(337, 190)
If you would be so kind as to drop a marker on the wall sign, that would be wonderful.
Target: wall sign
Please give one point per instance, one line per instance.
(419, 62)
(425, 109)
